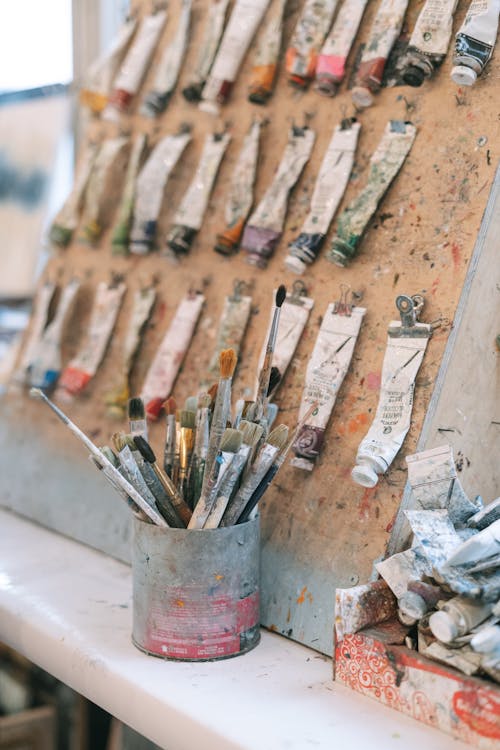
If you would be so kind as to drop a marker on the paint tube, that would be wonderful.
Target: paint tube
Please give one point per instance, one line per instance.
(484, 544)
(457, 617)
(484, 585)
(259, 469)
(429, 41)
(169, 66)
(475, 41)
(240, 198)
(434, 533)
(331, 65)
(101, 180)
(227, 487)
(399, 569)
(121, 230)
(265, 62)
(406, 344)
(464, 659)
(385, 29)
(82, 368)
(487, 640)
(39, 319)
(189, 216)
(208, 49)
(99, 79)
(150, 187)
(240, 30)
(308, 36)
(65, 222)
(385, 163)
(116, 400)
(361, 606)
(135, 64)
(293, 318)
(414, 603)
(163, 370)
(485, 516)
(265, 225)
(325, 374)
(46, 361)
(232, 326)
(330, 186)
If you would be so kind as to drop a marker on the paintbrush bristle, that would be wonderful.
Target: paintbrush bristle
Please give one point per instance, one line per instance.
(204, 400)
(274, 379)
(250, 411)
(136, 409)
(144, 449)
(227, 363)
(278, 436)
(110, 455)
(36, 393)
(251, 432)
(119, 440)
(188, 419)
(170, 406)
(231, 440)
(212, 392)
(191, 403)
(280, 295)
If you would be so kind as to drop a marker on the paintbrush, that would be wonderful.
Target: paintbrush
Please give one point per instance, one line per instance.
(137, 417)
(265, 373)
(109, 471)
(131, 469)
(186, 445)
(113, 459)
(171, 438)
(202, 436)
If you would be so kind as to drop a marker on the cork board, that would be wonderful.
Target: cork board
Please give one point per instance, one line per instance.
(320, 530)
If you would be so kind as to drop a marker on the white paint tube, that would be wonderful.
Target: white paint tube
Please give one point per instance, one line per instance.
(226, 488)
(231, 329)
(475, 41)
(266, 58)
(169, 67)
(240, 30)
(309, 34)
(482, 545)
(326, 370)
(457, 617)
(163, 370)
(208, 49)
(403, 567)
(82, 368)
(135, 64)
(361, 606)
(464, 659)
(99, 79)
(240, 198)
(429, 41)
(259, 469)
(265, 225)
(487, 640)
(150, 187)
(39, 318)
(332, 60)
(121, 230)
(435, 535)
(330, 186)
(189, 216)
(406, 344)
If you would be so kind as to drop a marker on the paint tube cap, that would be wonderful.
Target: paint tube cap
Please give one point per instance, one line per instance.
(295, 264)
(302, 463)
(414, 76)
(412, 605)
(365, 475)
(463, 75)
(362, 97)
(442, 627)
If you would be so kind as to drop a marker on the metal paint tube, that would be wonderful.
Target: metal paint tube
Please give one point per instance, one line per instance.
(361, 606)
(168, 68)
(245, 17)
(265, 62)
(99, 79)
(464, 659)
(484, 586)
(150, 186)
(121, 229)
(208, 49)
(435, 535)
(406, 344)
(65, 222)
(429, 41)
(135, 64)
(189, 216)
(117, 399)
(457, 617)
(265, 225)
(259, 469)
(227, 487)
(385, 29)
(46, 362)
(331, 65)
(330, 186)
(385, 163)
(82, 368)
(231, 329)
(481, 546)
(241, 190)
(163, 370)
(103, 175)
(326, 370)
(475, 41)
(308, 36)
(39, 318)
(402, 568)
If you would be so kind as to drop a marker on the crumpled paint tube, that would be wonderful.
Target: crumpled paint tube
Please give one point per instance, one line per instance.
(121, 230)
(99, 79)
(384, 32)
(135, 64)
(66, 221)
(82, 368)
(385, 163)
(103, 175)
(266, 57)
(243, 22)
(163, 370)
(151, 182)
(308, 36)
(189, 216)
(475, 41)
(208, 49)
(169, 66)
(402, 568)
(406, 344)
(232, 327)
(240, 198)
(265, 225)
(331, 65)
(326, 370)
(117, 399)
(39, 319)
(429, 41)
(330, 186)
(359, 606)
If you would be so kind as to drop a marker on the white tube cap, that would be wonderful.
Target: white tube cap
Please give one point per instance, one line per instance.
(295, 264)
(442, 627)
(364, 475)
(463, 75)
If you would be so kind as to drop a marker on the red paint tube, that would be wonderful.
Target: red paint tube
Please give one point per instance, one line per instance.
(331, 65)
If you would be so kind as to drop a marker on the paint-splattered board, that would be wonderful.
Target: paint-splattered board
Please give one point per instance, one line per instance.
(319, 531)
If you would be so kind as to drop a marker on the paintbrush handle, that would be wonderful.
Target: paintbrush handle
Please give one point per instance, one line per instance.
(226, 490)
(240, 500)
(219, 420)
(177, 501)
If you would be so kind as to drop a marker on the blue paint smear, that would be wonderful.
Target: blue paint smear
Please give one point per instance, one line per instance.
(21, 185)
